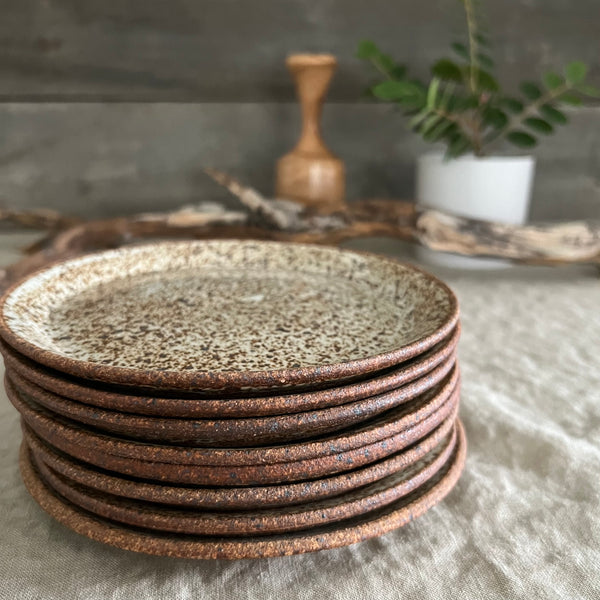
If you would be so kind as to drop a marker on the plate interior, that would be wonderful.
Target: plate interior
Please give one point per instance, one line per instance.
(226, 306)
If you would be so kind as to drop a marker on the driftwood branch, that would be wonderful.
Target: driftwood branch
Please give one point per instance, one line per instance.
(284, 220)
(39, 218)
(556, 244)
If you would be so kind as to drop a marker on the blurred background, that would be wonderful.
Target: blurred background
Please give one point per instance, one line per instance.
(114, 107)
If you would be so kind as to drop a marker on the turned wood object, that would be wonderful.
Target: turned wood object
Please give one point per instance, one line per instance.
(310, 173)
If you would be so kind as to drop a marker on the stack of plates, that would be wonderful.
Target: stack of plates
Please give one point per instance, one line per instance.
(234, 399)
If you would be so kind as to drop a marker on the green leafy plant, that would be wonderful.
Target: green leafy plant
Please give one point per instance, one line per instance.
(464, 106)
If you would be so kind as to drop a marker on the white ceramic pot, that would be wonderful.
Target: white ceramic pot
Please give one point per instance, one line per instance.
(495, 188)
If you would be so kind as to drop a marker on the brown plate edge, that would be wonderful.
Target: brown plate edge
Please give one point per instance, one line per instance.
(225, 407)
(173, 546)
(149, 516)
(268, 379)
(232, 432)
(218, 498)
(207, 456)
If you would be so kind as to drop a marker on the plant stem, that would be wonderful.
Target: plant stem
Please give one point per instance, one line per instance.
(376, 64)
(473, 48)
(477, 141)
(469, 127)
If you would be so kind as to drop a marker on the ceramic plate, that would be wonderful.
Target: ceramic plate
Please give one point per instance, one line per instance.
(372, 524)
(226, 315)
(255, 431)
(220, 498)
(105, 396)
(258, 522)
(66, 431)
(246, 475)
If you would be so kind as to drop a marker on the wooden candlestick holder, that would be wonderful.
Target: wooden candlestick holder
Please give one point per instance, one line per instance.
(310, 173)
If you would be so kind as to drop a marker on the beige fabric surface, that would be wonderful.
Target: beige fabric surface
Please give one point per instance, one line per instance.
(523, 522)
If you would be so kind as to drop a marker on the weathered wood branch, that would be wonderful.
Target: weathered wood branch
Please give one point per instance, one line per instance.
(554, 244)
(283, 220)
(39, 218)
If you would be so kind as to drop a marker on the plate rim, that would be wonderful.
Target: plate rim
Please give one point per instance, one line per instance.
(237, 407)
(234, 380)
(233, 431)
(216, 498)
(256, 521)
(218, 548)
(377, 429)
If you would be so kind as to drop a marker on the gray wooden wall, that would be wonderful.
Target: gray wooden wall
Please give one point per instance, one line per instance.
(115, 106)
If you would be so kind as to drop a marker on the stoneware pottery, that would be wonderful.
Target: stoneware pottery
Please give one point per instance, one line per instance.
(373, 523)
(54, 433)
(104, 396)
(241, 498)
(255, 431)
(226, 315)
(376, 429)
(261, 522)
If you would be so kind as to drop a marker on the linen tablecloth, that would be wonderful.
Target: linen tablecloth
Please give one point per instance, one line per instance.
(523, 522)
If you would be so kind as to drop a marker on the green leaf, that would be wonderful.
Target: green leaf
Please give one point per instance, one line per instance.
(495, 117)
(386, 63)
(576, 72)
(439, 131)
(367, 50)
(468, 103)
(553, 114)
(396, 90)
(485, 80)
(513, 105)
(570, 99)
(485, 61)
(416, 120)
(458, 145)
(531, 90)
(430, 122)
(447, 96)
(461, 50)
(398, 72)
(447, 70)
(539, 125)
(588, 90)
(553, 80)
(412, 104)
(482, 40)
(432, 93)
(388, 66)
(409, 94)
(521, 139)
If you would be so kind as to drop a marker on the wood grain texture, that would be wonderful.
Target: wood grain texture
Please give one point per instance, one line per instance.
(233, 51)
(310, 173)
(103, 160)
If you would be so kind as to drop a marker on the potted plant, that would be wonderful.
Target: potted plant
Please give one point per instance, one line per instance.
(464, 108)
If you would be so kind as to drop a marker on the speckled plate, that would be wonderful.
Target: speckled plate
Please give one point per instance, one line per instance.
(54, 433)
(240, 498)
(391, 422)
(255, 431)
(347, 532)
(226, 315)
(221, 408)
(258, 522)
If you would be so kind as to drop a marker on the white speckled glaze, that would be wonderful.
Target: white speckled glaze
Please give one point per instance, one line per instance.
(213, 313)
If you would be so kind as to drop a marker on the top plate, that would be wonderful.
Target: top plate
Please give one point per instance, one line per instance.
(226, 315)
